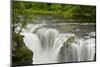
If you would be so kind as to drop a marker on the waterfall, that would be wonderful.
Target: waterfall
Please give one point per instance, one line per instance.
(51, 46)
(78, 49)
(47, 37)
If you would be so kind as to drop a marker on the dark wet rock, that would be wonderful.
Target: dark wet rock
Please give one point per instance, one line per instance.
(21, 55)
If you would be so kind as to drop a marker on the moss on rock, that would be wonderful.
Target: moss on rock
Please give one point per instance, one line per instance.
(21, 55)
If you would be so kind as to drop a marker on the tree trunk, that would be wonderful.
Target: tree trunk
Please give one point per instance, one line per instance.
(21, 29)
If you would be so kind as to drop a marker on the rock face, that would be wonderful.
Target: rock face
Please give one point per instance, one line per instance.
(21, 55)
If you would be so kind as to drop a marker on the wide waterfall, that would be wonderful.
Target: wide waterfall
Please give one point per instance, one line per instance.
(49, 45)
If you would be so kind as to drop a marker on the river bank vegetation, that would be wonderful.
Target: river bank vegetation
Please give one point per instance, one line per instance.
(23, 12)
(21, 55)
(68, 11)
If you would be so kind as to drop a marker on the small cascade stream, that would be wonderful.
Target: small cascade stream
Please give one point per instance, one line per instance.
(49, 45)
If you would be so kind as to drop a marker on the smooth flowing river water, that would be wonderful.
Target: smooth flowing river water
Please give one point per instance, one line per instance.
(53, 42)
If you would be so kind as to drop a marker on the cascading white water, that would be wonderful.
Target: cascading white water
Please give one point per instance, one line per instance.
(79, 50)
(49, 45)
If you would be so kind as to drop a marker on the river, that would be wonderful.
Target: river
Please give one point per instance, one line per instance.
(55, 40)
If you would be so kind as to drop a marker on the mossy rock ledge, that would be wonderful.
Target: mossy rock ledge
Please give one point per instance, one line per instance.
(21, 55)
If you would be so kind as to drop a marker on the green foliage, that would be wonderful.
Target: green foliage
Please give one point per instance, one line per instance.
(56, 7)
(88, 12)
(67, 11)
(21, 54)
(20, 15)
(71, 11)
(23, 13)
